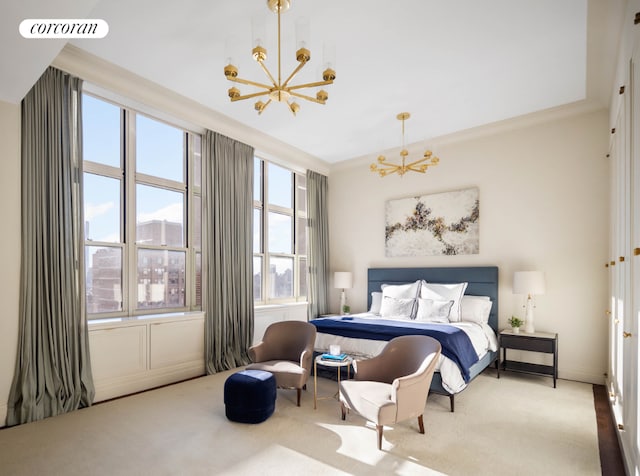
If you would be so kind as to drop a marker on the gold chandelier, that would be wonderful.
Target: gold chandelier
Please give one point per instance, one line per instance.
(278, 90)
(421, 165)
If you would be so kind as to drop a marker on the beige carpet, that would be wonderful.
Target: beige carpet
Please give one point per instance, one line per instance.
(518, 425)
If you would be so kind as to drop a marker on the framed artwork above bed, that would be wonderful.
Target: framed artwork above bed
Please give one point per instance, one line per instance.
(436, 224)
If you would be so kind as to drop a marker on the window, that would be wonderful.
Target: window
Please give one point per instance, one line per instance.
(280, 234)
(142, 207)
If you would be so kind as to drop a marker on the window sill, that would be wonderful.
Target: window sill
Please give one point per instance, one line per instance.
(278, 306)
(111, 322)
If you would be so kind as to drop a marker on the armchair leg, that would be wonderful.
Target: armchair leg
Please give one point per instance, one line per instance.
(343, 410)
(421, 424)
(299, 391)
(379, 431)
(451, 400)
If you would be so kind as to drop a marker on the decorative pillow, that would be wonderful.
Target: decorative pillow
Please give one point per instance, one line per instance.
(445, 292)
(433, 311)
(393, 308)
(475, 309)
(402, 291)
(376, 303)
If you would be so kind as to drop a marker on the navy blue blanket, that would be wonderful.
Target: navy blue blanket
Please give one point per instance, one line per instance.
(455, 343)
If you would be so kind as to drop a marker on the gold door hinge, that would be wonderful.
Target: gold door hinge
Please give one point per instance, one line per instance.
(636, 20)
(636, 251)
(621, 258)
(607, 312)
(620, 426)
(612, 394)
(616, 321)
(612, 263)
(621, 91)
(626, 335)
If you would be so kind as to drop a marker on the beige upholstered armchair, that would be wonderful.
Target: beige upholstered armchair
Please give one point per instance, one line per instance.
(286, 351)
(394, 385)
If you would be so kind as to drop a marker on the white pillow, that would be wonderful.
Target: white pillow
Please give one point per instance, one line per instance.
(393, 308)
(445, 292)
(376, 302)
(402, 291)
(433, 311)
(475, 309)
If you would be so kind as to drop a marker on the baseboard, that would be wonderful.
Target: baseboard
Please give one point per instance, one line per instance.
(581, 376)
(126, 385)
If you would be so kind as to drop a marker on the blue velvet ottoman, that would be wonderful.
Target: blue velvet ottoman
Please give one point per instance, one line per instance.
(250, 396)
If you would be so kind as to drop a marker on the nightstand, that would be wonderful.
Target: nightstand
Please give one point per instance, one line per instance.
(533, 342)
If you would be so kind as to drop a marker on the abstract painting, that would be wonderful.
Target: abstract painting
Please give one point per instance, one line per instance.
(435, 224)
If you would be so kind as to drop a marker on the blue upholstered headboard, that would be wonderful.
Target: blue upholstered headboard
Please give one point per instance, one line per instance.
(483, 281)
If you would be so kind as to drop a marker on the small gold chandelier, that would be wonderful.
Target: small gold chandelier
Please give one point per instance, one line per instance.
(278, 90)
(421, 165)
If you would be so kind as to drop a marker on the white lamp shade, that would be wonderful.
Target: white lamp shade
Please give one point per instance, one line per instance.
(529, 282)
(342, 280)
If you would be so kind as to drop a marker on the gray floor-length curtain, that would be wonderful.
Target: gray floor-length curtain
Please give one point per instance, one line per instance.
(53, 370)
(318, 247)
(227, 251)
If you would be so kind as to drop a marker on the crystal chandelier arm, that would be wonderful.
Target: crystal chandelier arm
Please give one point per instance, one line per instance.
(311, 85)
(249, 96)
(249, 83)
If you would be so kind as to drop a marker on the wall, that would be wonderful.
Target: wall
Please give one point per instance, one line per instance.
(10, 249)
(543, 206)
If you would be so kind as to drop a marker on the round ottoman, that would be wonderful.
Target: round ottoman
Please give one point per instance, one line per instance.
(250, 396)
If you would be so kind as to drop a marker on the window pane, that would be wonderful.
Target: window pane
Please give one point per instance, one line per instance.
(280, 186)
(161, 279)
(302, 236)
(197, 222)
(103, 279)
(199, 279)
(101, 208)
(197, 160)
(301, 190)
(257, 278)
(280, 233)
(302, 276)
(159, 216)
(100, 131)
(281, 276)
(159, 149)
(257, 179)
(257, 230)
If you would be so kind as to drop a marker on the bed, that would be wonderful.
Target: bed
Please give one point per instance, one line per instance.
(469, 346)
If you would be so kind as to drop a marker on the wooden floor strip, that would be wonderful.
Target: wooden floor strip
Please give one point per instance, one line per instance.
(610, 454)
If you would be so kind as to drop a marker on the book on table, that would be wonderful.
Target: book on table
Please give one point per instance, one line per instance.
(334, 358)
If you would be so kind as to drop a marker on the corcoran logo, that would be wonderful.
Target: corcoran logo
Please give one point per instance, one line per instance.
(67, 28)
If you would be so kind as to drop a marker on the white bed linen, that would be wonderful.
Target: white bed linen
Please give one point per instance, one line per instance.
(482, 337)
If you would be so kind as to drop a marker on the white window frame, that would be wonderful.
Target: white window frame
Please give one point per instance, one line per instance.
(294, 212)
(129, 179)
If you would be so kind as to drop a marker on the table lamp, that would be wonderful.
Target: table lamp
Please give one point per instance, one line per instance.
(342, 280)
(529, 283)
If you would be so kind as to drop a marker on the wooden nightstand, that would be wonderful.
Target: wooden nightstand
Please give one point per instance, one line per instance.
(534, 342)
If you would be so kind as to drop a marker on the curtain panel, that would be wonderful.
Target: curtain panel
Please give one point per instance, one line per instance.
(53, 369)
(318, 245)
(227, 251)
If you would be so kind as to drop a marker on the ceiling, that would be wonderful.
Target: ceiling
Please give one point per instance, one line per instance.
(452, 65)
